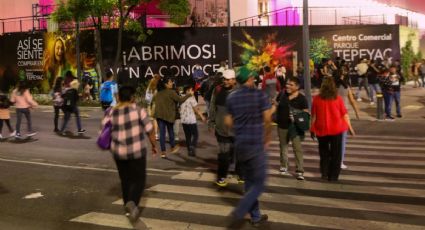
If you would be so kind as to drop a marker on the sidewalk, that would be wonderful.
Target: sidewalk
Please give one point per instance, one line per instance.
(412, 105)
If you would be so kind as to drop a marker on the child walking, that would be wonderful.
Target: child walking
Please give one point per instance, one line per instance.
(23, 100)
(5, 115)
(188, 120)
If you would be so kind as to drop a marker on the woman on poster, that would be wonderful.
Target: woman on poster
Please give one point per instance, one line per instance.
(55, 64)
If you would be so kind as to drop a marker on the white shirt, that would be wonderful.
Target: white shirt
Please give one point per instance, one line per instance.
(187, 114)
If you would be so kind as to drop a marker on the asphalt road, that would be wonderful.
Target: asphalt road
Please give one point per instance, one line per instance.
(55, 182)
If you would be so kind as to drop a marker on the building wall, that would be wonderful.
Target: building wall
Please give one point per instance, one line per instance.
(16, 9)
(242, 9)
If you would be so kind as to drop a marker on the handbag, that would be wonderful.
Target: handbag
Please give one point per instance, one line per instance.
(301, 119)
(105, 137)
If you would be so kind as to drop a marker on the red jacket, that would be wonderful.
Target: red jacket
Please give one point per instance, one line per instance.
(329, 116)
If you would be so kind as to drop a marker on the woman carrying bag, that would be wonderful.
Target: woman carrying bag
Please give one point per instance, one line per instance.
(130, 127)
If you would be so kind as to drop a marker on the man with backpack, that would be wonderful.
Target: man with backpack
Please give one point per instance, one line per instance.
(108, 92)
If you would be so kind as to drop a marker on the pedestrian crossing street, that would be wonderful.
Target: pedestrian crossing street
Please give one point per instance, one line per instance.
(383, 188)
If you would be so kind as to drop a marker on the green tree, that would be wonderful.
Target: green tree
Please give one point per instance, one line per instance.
(407, 57)
(177, 9)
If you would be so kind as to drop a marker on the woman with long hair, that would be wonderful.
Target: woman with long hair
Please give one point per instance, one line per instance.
(23, 100)
(329, 120)
(165, 112)
(55, 64)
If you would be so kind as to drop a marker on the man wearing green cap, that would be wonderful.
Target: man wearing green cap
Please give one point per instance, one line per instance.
(249, 113)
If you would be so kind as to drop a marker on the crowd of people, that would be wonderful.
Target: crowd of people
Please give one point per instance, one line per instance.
(240, 110)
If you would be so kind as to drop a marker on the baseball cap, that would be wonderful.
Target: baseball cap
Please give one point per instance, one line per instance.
(229, 74)
(244, 74)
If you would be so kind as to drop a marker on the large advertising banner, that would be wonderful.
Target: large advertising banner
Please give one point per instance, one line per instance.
(178, 50)
(41, 58)
(21, 58)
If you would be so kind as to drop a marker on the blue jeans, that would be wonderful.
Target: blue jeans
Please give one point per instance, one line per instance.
(67, 116)
(362, 82)
(389, 97)
(344, 142)
(374, 89)
(165, 126)
(26, 112)
(255, 178)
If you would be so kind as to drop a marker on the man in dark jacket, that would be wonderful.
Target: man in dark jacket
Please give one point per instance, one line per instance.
(71, 98)
(224, 135)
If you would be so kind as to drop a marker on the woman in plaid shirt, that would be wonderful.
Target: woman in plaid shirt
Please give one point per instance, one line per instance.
(130, 127)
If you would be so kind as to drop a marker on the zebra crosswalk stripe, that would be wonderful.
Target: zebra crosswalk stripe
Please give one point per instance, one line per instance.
(274, 216)
(187, 192)
(292, 183)
(120, 221)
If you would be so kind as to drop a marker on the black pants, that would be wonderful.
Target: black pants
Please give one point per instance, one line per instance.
(7, 121)
(57, 109)
(105, 105)
(67, 117)
(191, 134)
(330, 150)
(227, 157)
(133, 178)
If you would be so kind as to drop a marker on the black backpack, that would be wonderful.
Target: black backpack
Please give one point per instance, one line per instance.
(68, 100)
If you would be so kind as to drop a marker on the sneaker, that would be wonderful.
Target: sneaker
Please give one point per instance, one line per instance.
(163, 155)
(175, 149)
(12, 134)
(30, 134)
(221, 182)
(192, 152)
(261, 221)
(81, 131)
(343, 166)
(300, 176)
(359, 99)
(283, 171)
(132, 210)
(389, 118)
(18, 135)
(240, 179)
(1, 137)
(399, 116)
